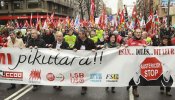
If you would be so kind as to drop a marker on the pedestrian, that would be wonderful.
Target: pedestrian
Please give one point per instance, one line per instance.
(14, 42)
(35, 42)
(136, 41)
(84, 43)
(111, 44)
(166, 41)
(59, 44)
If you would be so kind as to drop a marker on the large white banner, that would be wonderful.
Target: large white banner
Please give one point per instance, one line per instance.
(145, 66)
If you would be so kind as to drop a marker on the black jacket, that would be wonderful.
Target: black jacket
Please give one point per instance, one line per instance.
(161, 81)
(49, 39)
(40, 43)
(64, 45)
(88, 43)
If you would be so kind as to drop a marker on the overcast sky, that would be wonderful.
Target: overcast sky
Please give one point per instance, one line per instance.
(113, 4)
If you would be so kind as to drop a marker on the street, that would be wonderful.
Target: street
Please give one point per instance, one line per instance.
(73, 93)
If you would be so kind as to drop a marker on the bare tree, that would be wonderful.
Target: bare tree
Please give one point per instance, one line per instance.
(85, 7)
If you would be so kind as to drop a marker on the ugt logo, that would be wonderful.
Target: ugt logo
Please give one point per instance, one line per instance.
(3, 58)
(35, 75)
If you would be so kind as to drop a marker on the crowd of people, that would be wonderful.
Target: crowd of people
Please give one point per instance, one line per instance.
(86, 38)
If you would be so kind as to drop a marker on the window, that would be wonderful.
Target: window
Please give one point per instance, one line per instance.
(18, 4)
(4, 5)
(34, 4)
(50, 6)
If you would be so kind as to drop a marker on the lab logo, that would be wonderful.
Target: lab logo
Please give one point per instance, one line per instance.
(76, 78)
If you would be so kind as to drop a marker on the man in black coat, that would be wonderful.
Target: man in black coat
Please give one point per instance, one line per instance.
(59, 44)
(84, 43)
(35, 42)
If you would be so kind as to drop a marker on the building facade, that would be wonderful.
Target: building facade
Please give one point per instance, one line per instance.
(9, 8)
(163, 11)
(120, 5)
(144, 6)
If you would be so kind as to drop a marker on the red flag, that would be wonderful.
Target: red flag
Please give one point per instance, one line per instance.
(67, 21)
(85, 23)
(17, 24)
(51, 23)
(26, 24)
(38, 23)
(134, 12)
(135, 19)
(47, 19)
(72, 23)
(45, 26)
(92, 11)
(52, 17)
(31, 17)
(102, 19)
(122, 19)
(149, 23)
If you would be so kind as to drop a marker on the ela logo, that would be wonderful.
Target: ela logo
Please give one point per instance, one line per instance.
(95, 77)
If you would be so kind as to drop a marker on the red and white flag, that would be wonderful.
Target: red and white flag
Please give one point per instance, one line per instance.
(150, 20)
(92, 11)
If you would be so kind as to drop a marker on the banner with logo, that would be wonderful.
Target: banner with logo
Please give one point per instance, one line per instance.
(116, 67)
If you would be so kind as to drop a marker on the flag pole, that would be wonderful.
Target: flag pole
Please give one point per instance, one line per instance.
(168, 16)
